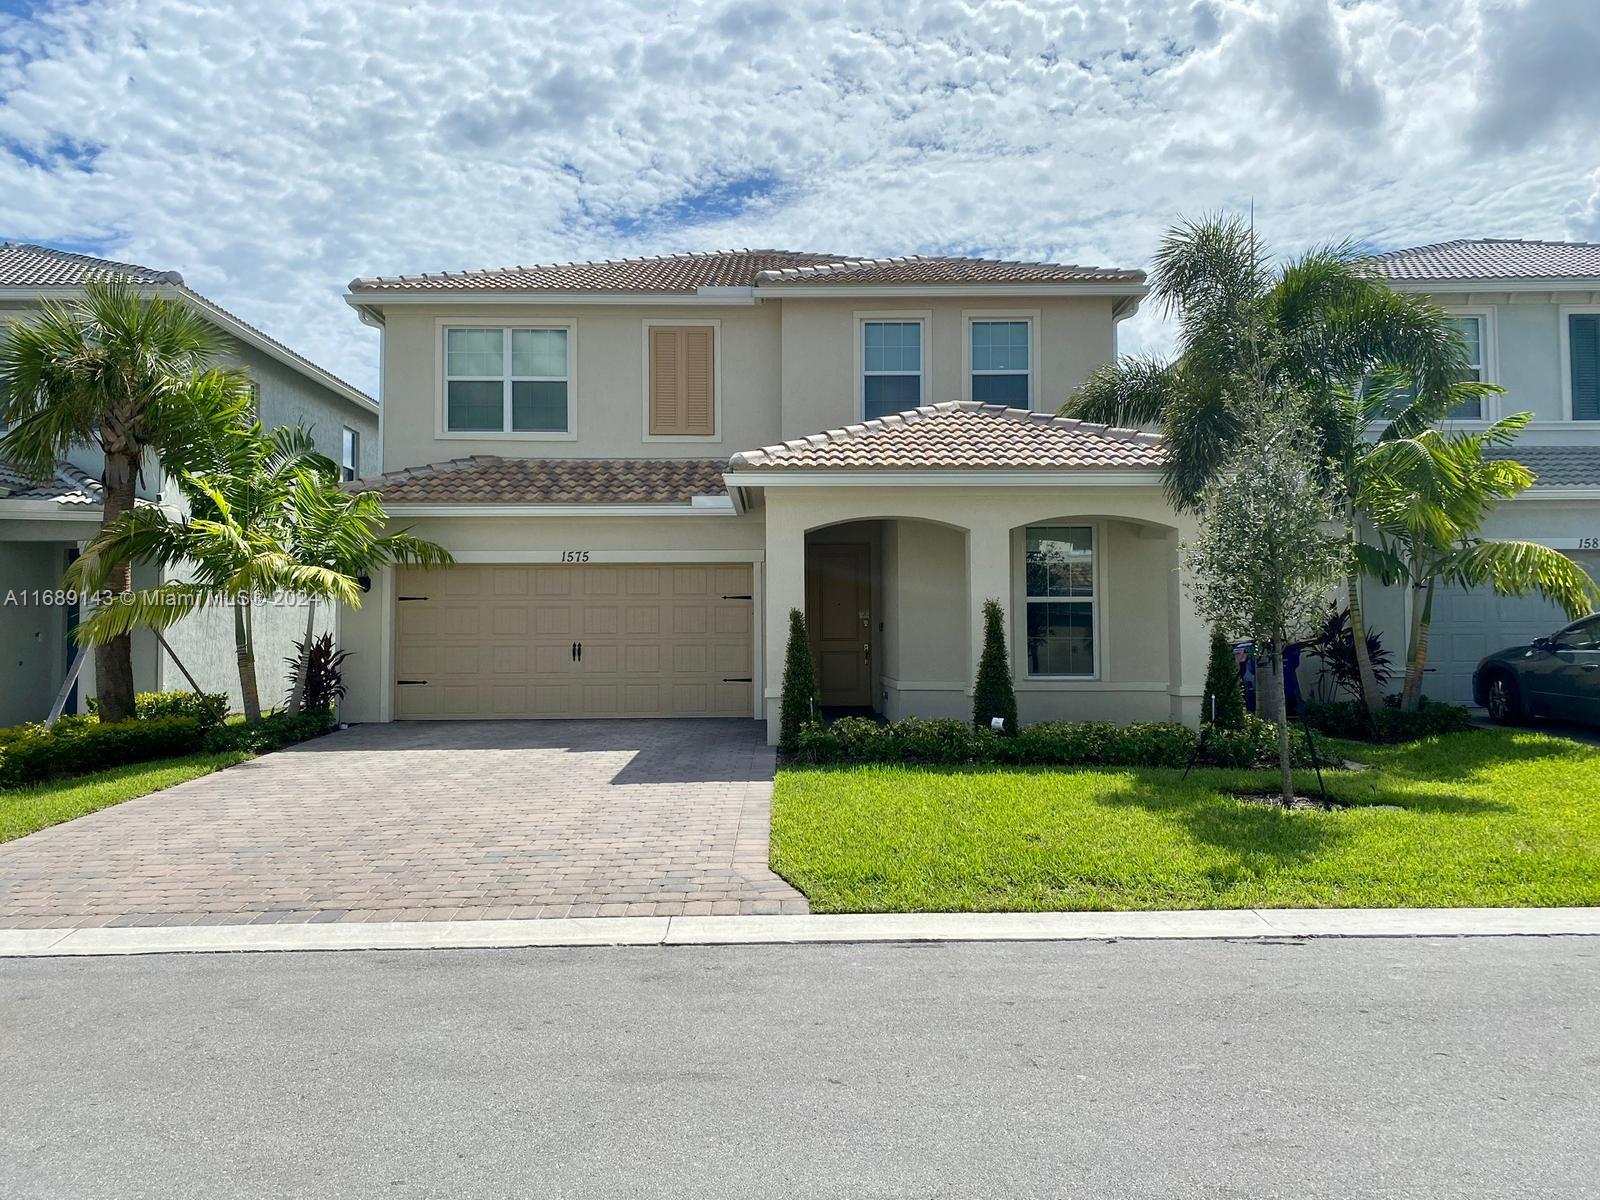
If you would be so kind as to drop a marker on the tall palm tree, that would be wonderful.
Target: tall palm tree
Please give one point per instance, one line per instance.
(1427, 521)
(112, 370)
(343, 531)
(235, 543)
(1247, 331)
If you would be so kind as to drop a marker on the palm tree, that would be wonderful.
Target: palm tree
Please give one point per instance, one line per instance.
(1427, 515)
(1247, 331)
(115, 371)
(343, 531)
(1385, 401)
(235, 543)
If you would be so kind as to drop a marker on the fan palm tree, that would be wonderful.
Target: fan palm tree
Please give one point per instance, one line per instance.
(1313, 328)
(119, 372)
(1427, 521)
(235, 544)
(343, 531)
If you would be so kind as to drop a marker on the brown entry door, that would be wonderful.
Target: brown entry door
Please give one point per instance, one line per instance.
(839, 616)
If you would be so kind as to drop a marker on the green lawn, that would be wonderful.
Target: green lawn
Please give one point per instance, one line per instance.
(24, 810)
(1480, 818)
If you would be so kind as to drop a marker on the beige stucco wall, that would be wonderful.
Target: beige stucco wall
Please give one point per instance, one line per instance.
(822, 363)
(787, 367)
(607, 391)
(368, 631)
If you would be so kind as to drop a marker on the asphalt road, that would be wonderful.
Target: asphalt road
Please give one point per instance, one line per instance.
(1195, 1069)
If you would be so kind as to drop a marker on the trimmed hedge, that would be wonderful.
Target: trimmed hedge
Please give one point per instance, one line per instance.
(1051, 743)
(271, 732)
(1350, 719)
(77, 745)
(207, 708)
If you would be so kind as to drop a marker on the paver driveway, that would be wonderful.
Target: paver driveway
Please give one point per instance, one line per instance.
(427, 821)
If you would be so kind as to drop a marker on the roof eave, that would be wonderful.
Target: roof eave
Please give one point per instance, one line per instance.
(775, 476)
(376, 299)
(824, 291)
(1509, 283)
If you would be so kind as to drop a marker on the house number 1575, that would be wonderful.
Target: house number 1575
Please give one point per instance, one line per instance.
(574, 556)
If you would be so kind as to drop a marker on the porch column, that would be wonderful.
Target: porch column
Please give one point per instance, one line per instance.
(988, 578)
(784, 588)
(1188, 639)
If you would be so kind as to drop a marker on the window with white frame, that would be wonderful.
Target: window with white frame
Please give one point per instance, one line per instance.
(1471, 331)
(1060, 600)
(507, 381)
(891, 365)
(1000, 362)
(350, 455)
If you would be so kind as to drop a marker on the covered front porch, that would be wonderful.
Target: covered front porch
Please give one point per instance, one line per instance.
(893, 580)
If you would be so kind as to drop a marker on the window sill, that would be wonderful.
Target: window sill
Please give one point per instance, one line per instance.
(685, 438)
(493, 435)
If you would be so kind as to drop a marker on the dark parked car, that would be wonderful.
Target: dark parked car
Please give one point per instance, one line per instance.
(1555, 677)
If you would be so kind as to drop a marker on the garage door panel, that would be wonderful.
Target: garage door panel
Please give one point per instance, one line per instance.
(507, 621)
(509, 659)
(552, 620)
(497, 641)
(599, 620)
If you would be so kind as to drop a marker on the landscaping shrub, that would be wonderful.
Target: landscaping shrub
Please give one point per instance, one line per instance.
(799, 703)
(1254, 745)
(77, 746)
(207, 708)
(271, 732)
(1050, 743)
(992, 693)
(1350, 719)
(323, 668)
(1226, 711)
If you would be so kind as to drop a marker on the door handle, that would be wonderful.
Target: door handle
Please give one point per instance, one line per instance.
(574, 651)
(580, 651)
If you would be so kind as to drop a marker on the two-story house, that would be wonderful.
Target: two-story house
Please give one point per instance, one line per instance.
(642, 466)
(44, 523)
(1530, 311)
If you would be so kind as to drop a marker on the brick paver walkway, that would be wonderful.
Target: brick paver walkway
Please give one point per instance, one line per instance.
(433, 821)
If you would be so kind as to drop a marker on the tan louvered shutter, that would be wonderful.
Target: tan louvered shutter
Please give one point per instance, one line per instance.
(682, 381)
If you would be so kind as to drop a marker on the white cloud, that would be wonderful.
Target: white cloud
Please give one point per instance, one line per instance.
(273, 152)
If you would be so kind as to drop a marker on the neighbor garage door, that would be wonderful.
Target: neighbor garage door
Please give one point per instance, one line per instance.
(574, 641)
(1470, 624)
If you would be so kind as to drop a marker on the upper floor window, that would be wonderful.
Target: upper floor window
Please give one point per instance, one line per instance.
(1060, 600)
(1000, 356)
(350, 455)
(1471, 331)
(682, 382)
(507, 381)
(1583, 354)
(891, 366)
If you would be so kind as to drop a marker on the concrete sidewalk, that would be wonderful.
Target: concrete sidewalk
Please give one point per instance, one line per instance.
(738, 930)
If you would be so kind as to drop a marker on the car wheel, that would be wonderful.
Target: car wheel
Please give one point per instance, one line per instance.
(1503, 700)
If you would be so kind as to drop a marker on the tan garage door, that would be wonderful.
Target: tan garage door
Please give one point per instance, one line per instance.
(574, 641)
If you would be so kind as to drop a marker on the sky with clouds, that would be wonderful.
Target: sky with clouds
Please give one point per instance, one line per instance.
(273, 151)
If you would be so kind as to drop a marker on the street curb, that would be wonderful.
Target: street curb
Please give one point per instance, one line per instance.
(1233, 924)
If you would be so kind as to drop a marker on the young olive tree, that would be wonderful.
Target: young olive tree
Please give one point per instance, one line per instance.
(1270, 548)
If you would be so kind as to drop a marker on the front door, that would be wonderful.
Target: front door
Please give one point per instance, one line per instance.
(839, 618)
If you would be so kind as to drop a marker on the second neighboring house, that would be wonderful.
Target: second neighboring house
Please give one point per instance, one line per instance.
(44, 523)
(642, 466)
(1530, 311)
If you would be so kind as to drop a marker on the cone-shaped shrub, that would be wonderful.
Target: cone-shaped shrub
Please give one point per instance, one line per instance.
(799, 703)
(1222, 682)
(992, 693)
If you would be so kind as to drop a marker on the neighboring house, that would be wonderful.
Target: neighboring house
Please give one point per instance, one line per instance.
(43, 523)
(1531, 313)
(642, 466)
